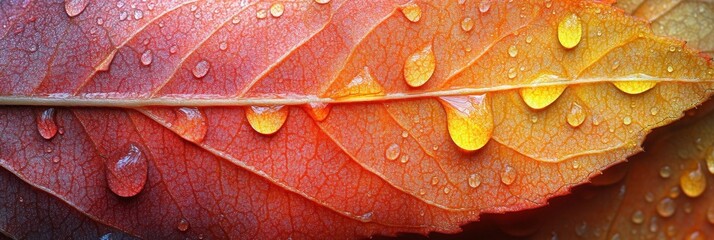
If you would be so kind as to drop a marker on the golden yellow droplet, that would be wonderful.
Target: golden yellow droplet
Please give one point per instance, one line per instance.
(412, 11)
(634, 87)
(670, 69)
(318, 110)
(266, 119)
(322, 1)
(261, 14)
(512, 73)
(512, 51)
(362, 86)
(474, 180)
(419, 66)
(392, 151)
(576, 115)
(508, 175)
(277, 9)
(666, 207)
(541, 97)
(469, 120)
(627, 120)
(467, 24)
(693, 183)
(570, 31)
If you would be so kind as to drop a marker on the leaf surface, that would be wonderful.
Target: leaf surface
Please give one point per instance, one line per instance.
(120, 73)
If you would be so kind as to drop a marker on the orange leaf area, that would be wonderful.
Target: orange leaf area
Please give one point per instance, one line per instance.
(324, 119)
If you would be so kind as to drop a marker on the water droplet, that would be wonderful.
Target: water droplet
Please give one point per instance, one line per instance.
(529, 39)
(56, 159)
(512, 73)
(363, 85)
(405, 134)
(190, 123)
(322, 1)
(201, 69)
(75, 7)
(266, 120)
(277, 9)
(581, 229)
(541, 97)
(138, 14)
(649, 197)
(412, 11)
(46, 125)
(392, 151)
(710, 214)
(404, 159)
(467, 24)
(670, 69)
(223, 45)
(693, 183)
(484, 6)
(318, 110)
(183, 225)
(627, 120)
(665, 172)
(508, 175)
(666, 207)
(513, 51)
(570, 31)
(654, 111)
(696, 235)
(147, 57)
(474, 180)
(127, 170)
(576, 115)
(674, 192)
(634, 87)
(638, 217)
(419, 66)
(469, 120)
(261, 14)
(434, 181)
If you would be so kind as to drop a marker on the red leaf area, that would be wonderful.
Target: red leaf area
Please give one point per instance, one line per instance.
(205, 172)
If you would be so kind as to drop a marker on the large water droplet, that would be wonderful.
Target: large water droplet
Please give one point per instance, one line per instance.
(46, 125)
(277, 9)
(419, 66)
(201, 69)
(362, 86)
(666, 207)
(392, 151)
(147, 57)
(576, 115)
(127, 170)
(634, 87)
(267, 119)
(469, 120)
(412, 11)
(570, 31)
(318, 110)
(541, 97)
(693, 182)
(508, 175)
(190, 123)
(75, 7)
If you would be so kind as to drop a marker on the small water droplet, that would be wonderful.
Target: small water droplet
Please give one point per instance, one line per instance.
(405, 134)
(654, 111)
(634, 87)
(649, 197)
(696, 235)
(670, 69)
(543, 96)
(693, 183)
(223, 45)
(138, 14)
(710, 214)
(190, 123)
(447, 190)
(434, 181)
(674, 192)
(529, 39)
(576, 115)
(201, 69)
(469, 120)
(467, 24)
(666, 207)
(322, 1)
(512, 73)
(261, 14)
(183, 225)
(404, 158)
(318, 110)
(627, 120)
(267, 120)
(147, 57)
(46, 125)
(665, 171)
(513, 51)
(570, 31)
(474, 180)
(392, 151)
(419, 66)
(277, 9)
(173, 49)
(412, 12)
(127, 170)
(508, 175)
(484, 6)
(75, 7)
(56, 159)
(638, 217)
(581, 229)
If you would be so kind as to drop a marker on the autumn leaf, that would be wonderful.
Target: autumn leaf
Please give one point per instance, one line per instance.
(307, 119)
